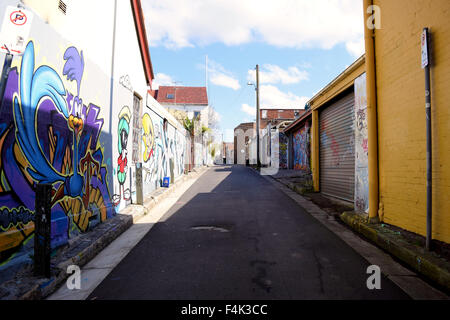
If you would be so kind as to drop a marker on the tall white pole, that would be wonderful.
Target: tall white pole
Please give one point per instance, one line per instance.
(206, 75)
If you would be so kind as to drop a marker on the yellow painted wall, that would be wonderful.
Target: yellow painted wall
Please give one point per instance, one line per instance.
(401, 114)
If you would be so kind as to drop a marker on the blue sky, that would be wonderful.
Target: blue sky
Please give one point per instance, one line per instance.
(299, 45)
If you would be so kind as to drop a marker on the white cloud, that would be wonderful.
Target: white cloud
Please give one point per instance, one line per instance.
(282, 23)
(249, 110)
(270, 73)
(274, 98)
(162, 79)
(225, 81)
(356, 48)
(219, 76)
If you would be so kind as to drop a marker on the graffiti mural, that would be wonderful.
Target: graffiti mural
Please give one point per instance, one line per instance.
(361, 146)
(327, 139)
(164, 150)
(301, 148)
(283, 151)
(48, 135)
(155, 146)
(148, 137)
(122, 161)
(180, 151)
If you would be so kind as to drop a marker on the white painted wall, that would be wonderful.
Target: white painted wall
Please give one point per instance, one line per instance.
(88, 24)
(190, 109)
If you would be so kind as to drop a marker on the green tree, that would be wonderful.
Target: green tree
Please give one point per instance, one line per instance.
(205, 129)
(189, 125)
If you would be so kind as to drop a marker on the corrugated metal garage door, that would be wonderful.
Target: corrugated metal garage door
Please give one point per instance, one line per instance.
(337, 150)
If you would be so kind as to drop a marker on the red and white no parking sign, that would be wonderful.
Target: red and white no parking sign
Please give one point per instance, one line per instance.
(18, 18)
(15, 30)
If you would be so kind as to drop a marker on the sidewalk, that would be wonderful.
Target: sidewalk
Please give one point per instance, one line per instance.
(82, 249)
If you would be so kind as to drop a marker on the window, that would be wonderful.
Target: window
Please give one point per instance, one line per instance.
(170, 96)
(137, 115)
(264, 114)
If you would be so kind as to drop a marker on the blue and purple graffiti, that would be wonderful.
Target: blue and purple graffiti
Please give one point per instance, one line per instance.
(47, 135)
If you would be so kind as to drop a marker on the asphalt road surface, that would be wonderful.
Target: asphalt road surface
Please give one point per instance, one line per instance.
(234, 236)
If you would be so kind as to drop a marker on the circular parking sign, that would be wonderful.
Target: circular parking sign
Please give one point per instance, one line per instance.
(18, 18)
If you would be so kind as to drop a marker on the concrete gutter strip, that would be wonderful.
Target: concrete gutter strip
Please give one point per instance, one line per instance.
(86, 246)
(424, 263)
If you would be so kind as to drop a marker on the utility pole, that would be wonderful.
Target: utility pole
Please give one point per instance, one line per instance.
(257, 117)
(224, 152)
(206, 74)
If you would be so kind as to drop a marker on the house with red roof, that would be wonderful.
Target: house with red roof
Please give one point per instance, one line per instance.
(188, 101)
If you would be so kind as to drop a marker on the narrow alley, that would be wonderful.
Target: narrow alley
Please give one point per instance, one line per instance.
(234, 236)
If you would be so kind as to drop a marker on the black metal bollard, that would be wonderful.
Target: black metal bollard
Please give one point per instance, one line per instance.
(42, 229)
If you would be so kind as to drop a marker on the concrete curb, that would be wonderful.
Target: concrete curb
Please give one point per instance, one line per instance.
(424, 263)
(112, 229)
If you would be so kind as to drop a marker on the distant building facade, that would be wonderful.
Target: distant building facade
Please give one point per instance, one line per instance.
(243, 134)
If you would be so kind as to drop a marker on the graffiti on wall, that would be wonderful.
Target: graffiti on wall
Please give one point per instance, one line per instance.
(283, 145)
(48, 135)
(361, 146)
(180, 152)
(122, 161)
(164, 150)
(328, 140)
(148, 137)
(155, 146)
(301, 148)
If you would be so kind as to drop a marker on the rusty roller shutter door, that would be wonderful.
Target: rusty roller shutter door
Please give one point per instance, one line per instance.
(337, 152)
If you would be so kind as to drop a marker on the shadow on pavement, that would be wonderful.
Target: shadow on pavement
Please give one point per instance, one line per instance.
(234, 236)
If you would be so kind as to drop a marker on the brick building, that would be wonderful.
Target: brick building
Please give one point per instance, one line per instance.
(277, 116)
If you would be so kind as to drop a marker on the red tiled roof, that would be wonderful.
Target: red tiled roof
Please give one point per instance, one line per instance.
(182, 95)
(273, 114)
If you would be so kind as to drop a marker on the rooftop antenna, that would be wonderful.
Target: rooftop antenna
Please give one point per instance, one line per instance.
(175, 83)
